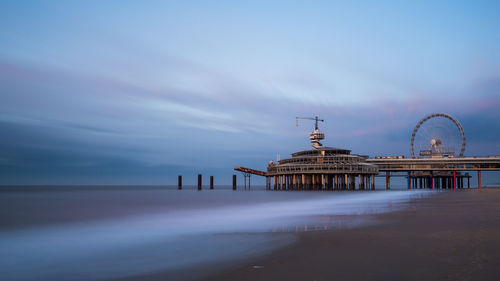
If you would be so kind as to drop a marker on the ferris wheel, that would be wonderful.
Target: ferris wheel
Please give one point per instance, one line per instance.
(437, 135)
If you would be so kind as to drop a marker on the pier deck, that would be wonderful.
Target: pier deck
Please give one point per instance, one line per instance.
(491, 163)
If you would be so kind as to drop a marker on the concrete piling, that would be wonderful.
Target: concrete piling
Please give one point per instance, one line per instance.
(234, 182)
(199, 181)
(179, 182)
(211, 182)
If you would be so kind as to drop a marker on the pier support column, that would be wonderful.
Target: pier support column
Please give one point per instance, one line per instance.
(211, 182)
(360, 182)
(454, 180)
(373, 182)
(199, 181)
(468, 182)
(179, 182)
(234, 182)
(479, 179)
(387, 180)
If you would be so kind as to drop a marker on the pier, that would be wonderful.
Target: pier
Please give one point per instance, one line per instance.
(435, 172)
(326, 168)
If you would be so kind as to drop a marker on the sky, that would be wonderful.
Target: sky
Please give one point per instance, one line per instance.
(138, 92)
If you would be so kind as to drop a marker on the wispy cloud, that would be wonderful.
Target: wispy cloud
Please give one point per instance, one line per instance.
(163, 90)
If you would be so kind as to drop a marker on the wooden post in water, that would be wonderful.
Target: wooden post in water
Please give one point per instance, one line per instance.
(211, 182)
(179, 182)
(199, 181)
(234, 182)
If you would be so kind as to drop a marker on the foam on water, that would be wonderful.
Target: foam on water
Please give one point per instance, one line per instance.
(216, 226)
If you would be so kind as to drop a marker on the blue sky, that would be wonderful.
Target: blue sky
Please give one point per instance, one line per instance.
(135, 92)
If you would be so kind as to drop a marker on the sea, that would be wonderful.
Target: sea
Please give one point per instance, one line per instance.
(113, 232)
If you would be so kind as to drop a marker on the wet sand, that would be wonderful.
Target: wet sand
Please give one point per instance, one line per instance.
(454, 235)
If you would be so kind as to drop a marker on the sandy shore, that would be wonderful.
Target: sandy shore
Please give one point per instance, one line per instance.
(452, 236)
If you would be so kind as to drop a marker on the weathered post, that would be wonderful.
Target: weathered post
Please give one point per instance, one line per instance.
(179, 182)
(211, 182)
(234, 182)
(199, 181)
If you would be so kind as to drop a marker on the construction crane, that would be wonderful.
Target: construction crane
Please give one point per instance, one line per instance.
(315, 136)
(309, 118)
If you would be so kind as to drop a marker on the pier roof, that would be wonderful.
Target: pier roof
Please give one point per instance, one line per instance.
(322, 151)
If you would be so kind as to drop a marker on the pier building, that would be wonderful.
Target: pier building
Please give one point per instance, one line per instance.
(321, 168)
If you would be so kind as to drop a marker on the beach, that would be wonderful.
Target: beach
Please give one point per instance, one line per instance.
(141, 233)
(453, 235)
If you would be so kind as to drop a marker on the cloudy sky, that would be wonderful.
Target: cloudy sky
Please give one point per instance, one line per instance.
(137, 92)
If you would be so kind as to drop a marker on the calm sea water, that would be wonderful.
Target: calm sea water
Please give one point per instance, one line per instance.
(102, 233)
